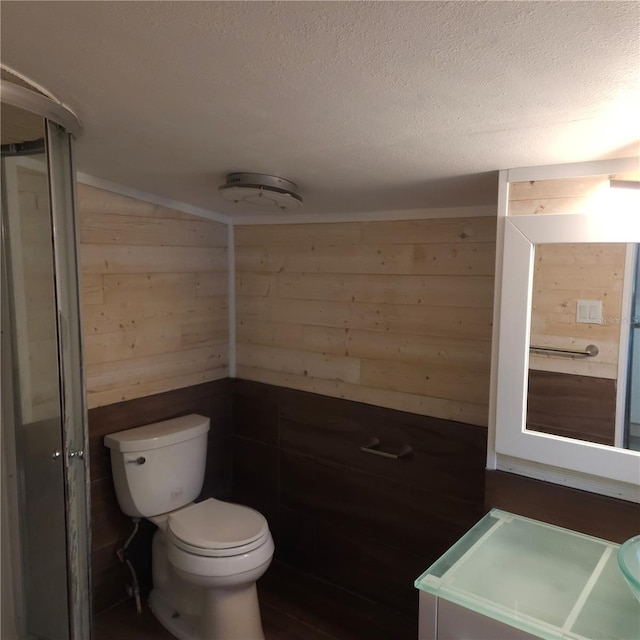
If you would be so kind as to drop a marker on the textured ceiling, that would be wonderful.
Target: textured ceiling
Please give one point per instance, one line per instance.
(367, 106)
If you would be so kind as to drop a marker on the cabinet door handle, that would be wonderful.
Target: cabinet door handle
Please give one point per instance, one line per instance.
(374, 447)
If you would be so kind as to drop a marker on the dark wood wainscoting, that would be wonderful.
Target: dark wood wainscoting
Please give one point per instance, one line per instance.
(365, 523)
(590, 513)
(581, 407)
(110, 528)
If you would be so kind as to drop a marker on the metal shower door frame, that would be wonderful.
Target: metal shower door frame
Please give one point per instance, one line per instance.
(72, 384)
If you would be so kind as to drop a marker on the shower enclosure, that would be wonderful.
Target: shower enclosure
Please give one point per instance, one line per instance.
(45, 534)
(632, 413)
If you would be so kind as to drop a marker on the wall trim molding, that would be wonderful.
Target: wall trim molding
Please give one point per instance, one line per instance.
(624, 355)
(568, 478)
(503, 204)
(123, 190)
(479, 211)
(573, 169)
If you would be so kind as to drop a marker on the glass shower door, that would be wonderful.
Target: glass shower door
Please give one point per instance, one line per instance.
(36, 392)
(43, 414)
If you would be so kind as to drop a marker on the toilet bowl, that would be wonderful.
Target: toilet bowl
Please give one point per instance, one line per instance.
(206, 556)
(217, 550)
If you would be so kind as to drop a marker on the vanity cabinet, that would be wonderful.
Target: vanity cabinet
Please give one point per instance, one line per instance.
(512, 578)
(443, 620)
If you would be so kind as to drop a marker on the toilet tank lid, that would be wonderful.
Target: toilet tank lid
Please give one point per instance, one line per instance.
(158, 434)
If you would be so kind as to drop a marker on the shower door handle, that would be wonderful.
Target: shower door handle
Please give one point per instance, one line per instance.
(79, 453)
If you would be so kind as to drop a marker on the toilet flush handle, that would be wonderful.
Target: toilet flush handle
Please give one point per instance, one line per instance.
(139, 460)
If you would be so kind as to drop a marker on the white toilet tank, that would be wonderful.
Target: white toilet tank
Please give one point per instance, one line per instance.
(159, 467)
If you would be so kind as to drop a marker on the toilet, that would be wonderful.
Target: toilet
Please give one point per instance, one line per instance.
(206, 556)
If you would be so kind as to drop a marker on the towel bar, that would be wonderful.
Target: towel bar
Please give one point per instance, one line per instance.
(374, 447)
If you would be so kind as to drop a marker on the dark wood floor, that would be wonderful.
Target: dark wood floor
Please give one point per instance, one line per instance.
(294, 606)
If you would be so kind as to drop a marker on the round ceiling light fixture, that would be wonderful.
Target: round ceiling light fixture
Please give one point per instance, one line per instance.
(261, 192)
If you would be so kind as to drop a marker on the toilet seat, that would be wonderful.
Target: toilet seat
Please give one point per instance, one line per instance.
(216, 528)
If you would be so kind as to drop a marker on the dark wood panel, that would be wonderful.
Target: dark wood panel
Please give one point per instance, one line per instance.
(421, 521)
(590, 513)
(114, 576)
(255, 411)
(581, 407)
(256, 479)
(362, 522)
(218, 472)
(109, 586)
(108, 523)
(381, 571)
(110, 527)
(339, 613)
(278, 625)
(124, 623)
(448, 457)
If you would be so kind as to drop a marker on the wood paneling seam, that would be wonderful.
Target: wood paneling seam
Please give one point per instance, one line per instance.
(231, 298)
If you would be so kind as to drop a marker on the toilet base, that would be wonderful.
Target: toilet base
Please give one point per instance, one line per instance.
(182, 626)
(231, 614)
(228, 614)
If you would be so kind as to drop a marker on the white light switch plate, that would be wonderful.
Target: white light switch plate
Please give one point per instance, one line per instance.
(589, 311)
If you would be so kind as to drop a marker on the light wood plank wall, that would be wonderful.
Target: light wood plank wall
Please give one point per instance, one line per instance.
(567, 273)
(585, 194)
(29, 228)
(154, 297)
(396, 314)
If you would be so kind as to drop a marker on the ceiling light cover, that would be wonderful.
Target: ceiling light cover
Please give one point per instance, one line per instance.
(261, 192)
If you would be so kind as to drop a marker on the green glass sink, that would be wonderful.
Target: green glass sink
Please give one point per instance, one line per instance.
(629, 562)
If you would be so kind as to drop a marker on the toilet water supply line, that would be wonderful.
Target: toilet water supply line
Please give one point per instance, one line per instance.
(122, 555)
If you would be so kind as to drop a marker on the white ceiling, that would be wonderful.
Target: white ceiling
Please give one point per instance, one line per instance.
(366, 105)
